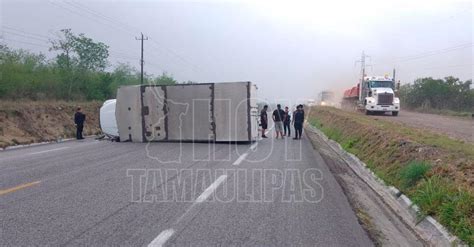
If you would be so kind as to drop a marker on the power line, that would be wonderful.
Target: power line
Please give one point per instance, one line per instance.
(100, 15)
(430, 53)
(117, 55)
(436, 52)
(25, 42)
(88, 13)
(184, 60)
(21, 31)
(133, 29)
(25, 36)
(449, 67)
(95, 14)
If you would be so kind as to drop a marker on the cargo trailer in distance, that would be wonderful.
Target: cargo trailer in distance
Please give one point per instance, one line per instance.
(204, 112)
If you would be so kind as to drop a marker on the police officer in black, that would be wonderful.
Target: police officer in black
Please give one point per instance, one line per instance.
(286, 122)
(264, 120)
(298, 120)
(79, 119)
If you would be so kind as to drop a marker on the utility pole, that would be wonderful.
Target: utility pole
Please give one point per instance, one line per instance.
(361, 84)
(142, 38)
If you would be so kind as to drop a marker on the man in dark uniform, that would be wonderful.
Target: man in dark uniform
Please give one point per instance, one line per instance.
(264, 120)
(286, 122)
(79, 119)
(298, 120)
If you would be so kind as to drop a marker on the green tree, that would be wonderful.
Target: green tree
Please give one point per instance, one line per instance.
(65, 46)
(78, 56)
(91, 55)
(165, 79)
(78, 72)
(449, 93)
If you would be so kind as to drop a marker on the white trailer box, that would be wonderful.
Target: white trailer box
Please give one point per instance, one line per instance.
(206, 112)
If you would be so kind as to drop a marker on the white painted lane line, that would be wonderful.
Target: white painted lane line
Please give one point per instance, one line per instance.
(240, 159)
(266, 132)
(161, 239)
(50, 150)
(254, 146)
(211, 189)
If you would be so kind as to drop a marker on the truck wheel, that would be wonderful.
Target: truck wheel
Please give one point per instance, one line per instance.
(395, 113)
(367, 112)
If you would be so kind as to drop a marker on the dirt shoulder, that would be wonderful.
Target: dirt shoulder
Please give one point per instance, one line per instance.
(25, 122)
(461, 128)
(435, 171)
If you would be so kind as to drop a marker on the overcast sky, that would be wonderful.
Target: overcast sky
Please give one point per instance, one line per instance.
(290, 49)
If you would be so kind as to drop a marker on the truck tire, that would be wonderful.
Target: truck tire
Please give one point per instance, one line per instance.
(394, 113)
(367, 112)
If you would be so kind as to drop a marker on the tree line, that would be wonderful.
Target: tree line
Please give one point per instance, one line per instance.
(77, 72)
(449, 93)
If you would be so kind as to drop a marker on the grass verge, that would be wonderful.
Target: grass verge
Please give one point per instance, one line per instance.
(436, 172)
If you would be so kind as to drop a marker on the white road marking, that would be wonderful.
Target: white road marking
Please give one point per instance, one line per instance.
(254, 146)
(211, 189)
(50, 150)
(266, 132)
(161, 239)
(240, 159)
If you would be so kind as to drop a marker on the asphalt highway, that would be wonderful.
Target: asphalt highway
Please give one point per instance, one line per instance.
(101, 193)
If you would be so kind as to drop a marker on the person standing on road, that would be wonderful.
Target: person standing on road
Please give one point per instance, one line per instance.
(286, 122)
(298, 120)
(264, 120)
(79, 119)
(278, 116)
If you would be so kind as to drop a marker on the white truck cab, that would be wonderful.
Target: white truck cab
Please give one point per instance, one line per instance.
(380, 95)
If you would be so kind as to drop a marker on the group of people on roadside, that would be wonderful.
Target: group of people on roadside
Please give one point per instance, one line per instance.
(283, 119)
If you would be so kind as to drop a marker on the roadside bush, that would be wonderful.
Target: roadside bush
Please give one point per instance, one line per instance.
(332, 133)
(453, 207)
(79, 76)
(430, 94)
(431, 194)
(454, 214)
(315, 122)
(412, 173)
(348, 145)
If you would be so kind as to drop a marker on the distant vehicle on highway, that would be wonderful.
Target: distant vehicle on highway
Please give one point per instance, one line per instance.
(376, 95)
(311, 102)
(326, 98)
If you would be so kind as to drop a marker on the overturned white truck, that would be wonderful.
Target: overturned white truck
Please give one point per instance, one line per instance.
(204, 112)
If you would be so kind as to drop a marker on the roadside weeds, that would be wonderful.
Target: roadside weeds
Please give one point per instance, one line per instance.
(437, 177)
(383, 225)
